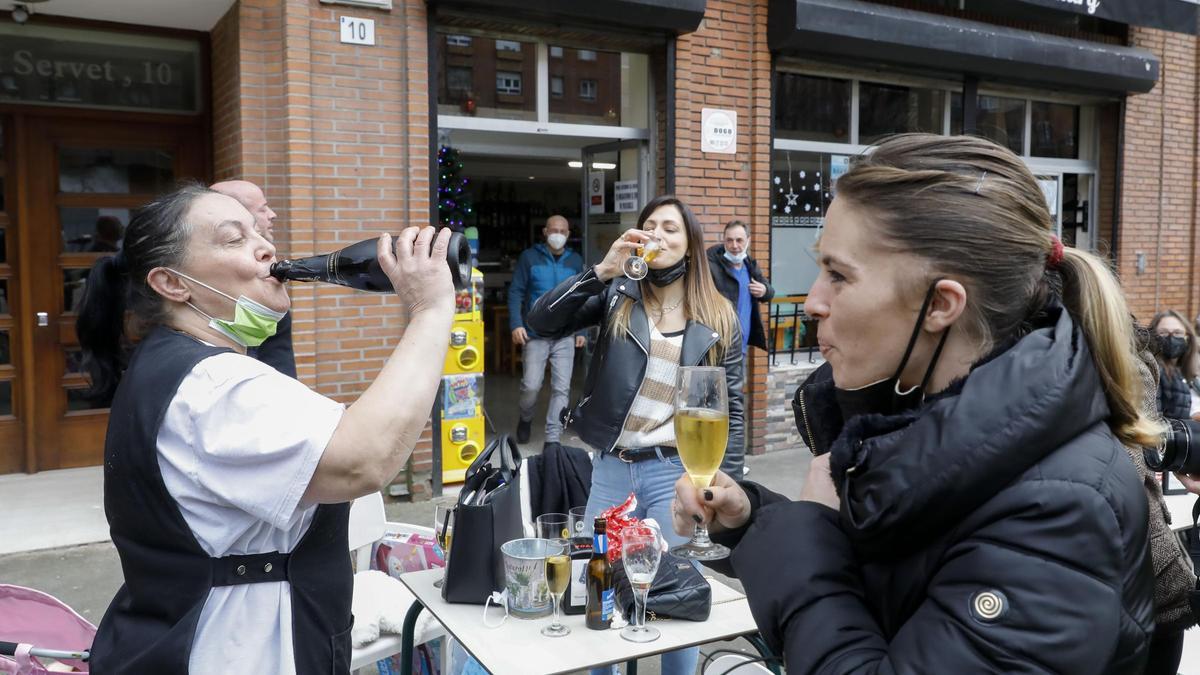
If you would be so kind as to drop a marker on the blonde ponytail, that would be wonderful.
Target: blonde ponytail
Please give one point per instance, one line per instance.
(1094, 299)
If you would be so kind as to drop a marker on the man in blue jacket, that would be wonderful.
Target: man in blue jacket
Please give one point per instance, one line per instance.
(539, 269)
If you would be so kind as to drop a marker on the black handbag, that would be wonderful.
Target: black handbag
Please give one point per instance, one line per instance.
(679, 591)
(488, 514)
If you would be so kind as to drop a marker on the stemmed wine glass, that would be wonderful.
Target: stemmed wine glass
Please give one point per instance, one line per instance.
(701, 433)
(637, 266)
(558, 577)
(443, 532)
(640, 555)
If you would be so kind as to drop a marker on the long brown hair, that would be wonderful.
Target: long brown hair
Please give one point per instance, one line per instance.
(973, 212)
(702, 302)
(1185, 364)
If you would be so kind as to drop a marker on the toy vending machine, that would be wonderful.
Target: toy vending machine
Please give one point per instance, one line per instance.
(462, 384)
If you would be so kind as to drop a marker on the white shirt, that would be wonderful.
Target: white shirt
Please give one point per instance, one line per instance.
(237, 448)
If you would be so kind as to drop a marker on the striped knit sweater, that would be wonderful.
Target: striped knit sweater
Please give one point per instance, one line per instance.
(651, 419)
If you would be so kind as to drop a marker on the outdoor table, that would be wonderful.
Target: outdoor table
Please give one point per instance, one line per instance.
(1181, 510)
(518, 647)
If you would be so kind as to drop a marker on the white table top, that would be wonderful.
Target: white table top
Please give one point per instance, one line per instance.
(1181, 510)
(519, 648)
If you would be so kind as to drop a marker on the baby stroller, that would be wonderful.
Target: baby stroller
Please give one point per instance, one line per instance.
(50, 630)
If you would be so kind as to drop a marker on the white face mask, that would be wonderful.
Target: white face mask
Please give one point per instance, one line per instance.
(557, 241)
(736, 259)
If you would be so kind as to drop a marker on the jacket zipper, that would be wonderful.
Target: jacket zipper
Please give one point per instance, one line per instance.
(570, 290)
(812, 442)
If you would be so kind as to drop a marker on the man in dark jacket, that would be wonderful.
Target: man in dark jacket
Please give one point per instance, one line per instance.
(276, 351)
(539, 269)
(740, 280)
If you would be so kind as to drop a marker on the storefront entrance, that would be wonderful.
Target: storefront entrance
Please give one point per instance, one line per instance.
(70, 183)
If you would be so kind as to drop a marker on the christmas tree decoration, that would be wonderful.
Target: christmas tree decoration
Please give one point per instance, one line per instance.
(454, 202)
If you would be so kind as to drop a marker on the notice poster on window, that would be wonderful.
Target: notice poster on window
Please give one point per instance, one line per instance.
(625, 196)
(595, 192)
(1050, 189)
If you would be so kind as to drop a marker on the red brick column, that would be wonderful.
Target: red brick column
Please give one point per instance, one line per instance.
(1158, 182)
(338, 137)
(726, 64)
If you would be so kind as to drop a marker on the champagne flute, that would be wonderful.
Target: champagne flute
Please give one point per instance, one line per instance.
(701, 433)
(637, 266)
(640, 556)
(443, 533)
(553, 526)
(558, 577)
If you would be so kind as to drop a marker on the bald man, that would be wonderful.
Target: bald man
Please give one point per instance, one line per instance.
(539, 269)
(277, 350)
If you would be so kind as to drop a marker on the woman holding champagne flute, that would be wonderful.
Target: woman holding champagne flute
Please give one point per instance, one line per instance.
(971, 507)
(672, 317)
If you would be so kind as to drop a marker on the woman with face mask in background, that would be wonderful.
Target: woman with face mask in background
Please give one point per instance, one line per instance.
(972, 508)
(674, 317)
(226, 482)
(1176, 364)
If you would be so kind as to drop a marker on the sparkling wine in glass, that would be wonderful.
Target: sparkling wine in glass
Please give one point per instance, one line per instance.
(558, 577)
(701, 434)
(443, 533)
(636, 267)
(640, 556)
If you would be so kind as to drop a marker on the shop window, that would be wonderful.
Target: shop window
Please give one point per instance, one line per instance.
(89, 170)
(1000, 119)
(556, 87)
(800, 195)
(885, 109)
(556, 52)
(1054, 130)
(586, 55)
(508, 83)
(812, 108)
(587, 90)
(459, 82)
(484, 77)
(613, 88)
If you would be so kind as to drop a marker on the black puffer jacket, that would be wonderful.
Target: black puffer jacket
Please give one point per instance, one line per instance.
(1001, 528)
(1174, 395)
(619, 364)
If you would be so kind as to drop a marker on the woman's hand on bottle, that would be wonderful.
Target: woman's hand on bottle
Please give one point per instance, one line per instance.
(625, 246)
(723, 505)
(417, 268)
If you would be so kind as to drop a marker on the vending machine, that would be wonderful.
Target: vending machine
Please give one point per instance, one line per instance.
(462, 428)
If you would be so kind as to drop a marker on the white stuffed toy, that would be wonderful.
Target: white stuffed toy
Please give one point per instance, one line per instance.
(379, 605)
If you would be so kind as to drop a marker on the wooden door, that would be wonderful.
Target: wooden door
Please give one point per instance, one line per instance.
(12, 456)
(85, 177)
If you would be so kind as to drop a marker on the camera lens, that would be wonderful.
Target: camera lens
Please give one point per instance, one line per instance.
(1178, 450)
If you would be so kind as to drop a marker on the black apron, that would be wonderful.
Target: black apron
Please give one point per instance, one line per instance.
(151, 622)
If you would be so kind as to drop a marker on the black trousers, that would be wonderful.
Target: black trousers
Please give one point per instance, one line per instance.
(1166, 649)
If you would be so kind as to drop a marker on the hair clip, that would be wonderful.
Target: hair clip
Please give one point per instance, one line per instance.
(980, 183)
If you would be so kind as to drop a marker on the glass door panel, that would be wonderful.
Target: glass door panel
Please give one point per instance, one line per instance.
(615, 188)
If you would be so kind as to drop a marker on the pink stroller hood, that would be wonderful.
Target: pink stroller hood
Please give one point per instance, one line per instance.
(33, 617)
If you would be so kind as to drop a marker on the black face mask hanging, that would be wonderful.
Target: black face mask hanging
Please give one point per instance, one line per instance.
(667, 275)
(884, 397)
(1172, 346)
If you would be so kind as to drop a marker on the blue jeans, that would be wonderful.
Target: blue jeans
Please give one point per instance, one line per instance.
(653, 481)
(561, 355)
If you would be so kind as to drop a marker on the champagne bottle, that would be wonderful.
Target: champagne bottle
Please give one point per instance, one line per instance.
(357, 267)
(599, 581)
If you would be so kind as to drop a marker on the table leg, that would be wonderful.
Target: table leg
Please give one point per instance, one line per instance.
(631, 667)
(765, 652)
(407, 637)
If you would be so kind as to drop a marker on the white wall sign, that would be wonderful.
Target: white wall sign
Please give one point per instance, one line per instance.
(625, 196)
(356, 31)
(595, 192)
(1050, 189)
(718, 131)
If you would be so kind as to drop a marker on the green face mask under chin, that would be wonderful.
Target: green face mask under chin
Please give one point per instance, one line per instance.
(252, 323)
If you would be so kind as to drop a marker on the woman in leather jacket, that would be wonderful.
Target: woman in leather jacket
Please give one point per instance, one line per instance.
(971, 507)
(674, 317)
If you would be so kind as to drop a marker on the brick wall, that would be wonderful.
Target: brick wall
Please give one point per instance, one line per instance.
(1158, 178)
(338, 136)
(726, 64)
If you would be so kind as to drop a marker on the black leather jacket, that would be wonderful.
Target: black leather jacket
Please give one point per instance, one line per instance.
(619, 363)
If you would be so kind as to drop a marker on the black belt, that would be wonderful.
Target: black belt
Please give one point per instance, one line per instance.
(634, 455)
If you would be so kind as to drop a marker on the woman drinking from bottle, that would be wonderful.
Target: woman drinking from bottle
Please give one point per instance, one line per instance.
(972, 508)
(673, 317)
(226, 482)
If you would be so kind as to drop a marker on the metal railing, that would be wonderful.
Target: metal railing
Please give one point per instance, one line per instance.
(791, 330)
